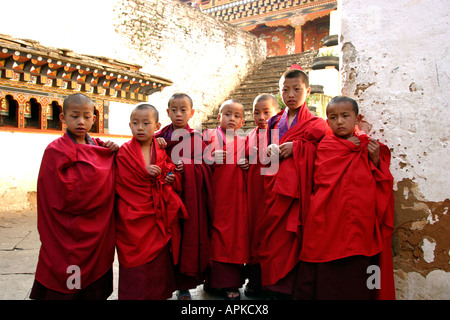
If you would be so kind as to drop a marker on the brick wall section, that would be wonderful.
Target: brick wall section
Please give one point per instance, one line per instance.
(204, 57)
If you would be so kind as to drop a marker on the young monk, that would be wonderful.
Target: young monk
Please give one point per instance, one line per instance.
(75, 196)
(147, 211)
(264, 107)
(196, 192)
(350, 220)
(229, 233)
(289, 189)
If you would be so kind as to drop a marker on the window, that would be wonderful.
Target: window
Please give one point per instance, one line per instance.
(8, 112)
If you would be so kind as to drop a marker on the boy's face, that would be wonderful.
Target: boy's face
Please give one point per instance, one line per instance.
(263, 111)
(143, 125)
(342, 119)
(79, 118)
(180, 112)
(293, 92)
(231, 117)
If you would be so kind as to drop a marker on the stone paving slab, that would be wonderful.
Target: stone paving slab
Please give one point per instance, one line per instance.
(19, 251)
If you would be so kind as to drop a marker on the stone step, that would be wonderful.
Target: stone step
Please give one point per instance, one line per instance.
(264, 79)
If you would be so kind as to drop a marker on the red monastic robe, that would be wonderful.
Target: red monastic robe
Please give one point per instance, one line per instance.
(287, 199)
(229, 234)
(75, 194)
(351, 210)
(197, 197)
(147, 209)
(256, 146)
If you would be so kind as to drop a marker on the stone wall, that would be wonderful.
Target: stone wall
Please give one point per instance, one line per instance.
(204, 57)
(395, 62)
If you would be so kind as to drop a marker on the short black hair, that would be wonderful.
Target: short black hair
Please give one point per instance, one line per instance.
(77, 98)
(146, 106)
(265, 97)
(343, 99)
(295, 73)
(228, 102)
(180, 95)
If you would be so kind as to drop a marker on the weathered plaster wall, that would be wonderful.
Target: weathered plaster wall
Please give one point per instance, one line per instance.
(204, 57)
(395, 62)
(20, 168)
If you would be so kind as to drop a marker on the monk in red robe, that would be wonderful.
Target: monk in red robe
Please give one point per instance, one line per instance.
(289, 189)
(75, 195)
(264, 107)
(148, 208)
(185, 147)
(348, 229)
(229, 233)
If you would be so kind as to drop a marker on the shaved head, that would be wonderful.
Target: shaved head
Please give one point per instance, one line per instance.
(77, 98)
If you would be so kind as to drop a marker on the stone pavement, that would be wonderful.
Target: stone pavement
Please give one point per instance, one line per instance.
(19, 250)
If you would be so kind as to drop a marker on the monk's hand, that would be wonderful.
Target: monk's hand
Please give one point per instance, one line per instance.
(374, 151)
(170, 177)
(355, 140)
(162, 144)
(219, 156)
(153, 170)
(286, 149)
(243, 164)
(180, 166)
(273, 149)
(111, 145)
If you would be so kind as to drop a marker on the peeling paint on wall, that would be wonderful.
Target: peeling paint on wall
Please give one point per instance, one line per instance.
(421, 242)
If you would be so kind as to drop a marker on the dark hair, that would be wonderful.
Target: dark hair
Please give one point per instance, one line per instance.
(228, 102)
(295, 73)
(146, 106)
(265, 97)
(180, 96)
(77, 98)
(343, 99)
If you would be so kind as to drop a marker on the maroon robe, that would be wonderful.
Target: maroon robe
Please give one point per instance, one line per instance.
(229, 235)
(256, 144)
(351, 211)
(288, 193)
(197, 197)
(75, 195)
(147, 208)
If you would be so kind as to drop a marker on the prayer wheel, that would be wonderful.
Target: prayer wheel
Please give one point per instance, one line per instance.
(4, 107)
(50, 111)
(27, 112)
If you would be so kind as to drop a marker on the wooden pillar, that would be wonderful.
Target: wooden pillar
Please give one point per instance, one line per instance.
(298, 39)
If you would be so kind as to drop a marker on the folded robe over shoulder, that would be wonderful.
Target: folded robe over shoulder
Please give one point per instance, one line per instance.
(196, 195)
(287, 194)
(147, 209)
(351, 210)
(229, 234)
(75, 194)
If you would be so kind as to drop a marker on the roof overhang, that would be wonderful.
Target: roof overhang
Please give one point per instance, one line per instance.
(28, 61)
